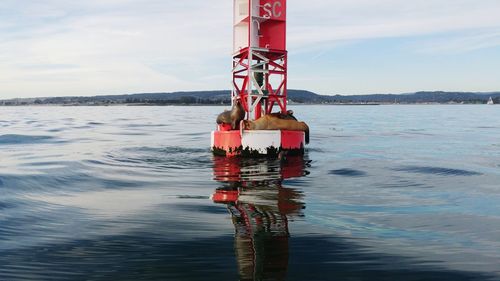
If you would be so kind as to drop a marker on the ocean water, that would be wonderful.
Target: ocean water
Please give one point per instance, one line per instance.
(133, 193)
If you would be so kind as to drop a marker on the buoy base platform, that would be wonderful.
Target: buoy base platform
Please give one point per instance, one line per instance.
(265, 143)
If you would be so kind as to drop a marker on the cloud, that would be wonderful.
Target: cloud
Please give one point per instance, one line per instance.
(457, 44)
(327, 21)
(57, 47)
(113, 46)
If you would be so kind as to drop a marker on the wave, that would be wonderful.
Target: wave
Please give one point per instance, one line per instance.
(171, 157)
(347, 173)
(402, 184)
(61, 182)
(24, 139)
(437, 171)
(146, 125)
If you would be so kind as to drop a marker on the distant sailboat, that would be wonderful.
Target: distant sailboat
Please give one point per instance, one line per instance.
(490, 101)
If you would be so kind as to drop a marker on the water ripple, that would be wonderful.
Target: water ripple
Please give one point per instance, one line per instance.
(403, 184)
(12, 139)
(348, 173)
(171, 157)
(63, 177)
(437, 171)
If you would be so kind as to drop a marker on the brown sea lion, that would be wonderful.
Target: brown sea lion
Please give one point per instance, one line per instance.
(233, 117)
(270, 122)
(287, 116)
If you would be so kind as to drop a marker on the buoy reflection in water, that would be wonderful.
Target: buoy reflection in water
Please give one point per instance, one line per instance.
(260, 207)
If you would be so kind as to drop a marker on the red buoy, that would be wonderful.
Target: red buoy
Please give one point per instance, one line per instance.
(260, 62)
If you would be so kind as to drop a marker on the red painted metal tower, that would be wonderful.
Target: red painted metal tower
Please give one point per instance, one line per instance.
(260, 77)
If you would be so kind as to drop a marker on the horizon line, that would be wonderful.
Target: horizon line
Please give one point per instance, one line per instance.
(219, 90)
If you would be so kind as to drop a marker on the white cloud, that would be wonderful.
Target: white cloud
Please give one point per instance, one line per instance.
(461, 44)
(58, 47)
(326, 21)
(111, 46)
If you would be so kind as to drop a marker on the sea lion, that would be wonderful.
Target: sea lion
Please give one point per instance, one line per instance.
(287, 116)
(233, 117)
(270, 122)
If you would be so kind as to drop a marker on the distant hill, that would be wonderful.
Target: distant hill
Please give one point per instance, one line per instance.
(294, 96)
(195, 97)
(419, 97)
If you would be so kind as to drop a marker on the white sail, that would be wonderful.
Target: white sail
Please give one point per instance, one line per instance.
(490, 101)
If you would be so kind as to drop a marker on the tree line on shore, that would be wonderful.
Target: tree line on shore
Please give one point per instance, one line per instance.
(294, 96)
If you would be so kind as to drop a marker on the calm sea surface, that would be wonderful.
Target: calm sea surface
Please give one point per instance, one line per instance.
(133, 193)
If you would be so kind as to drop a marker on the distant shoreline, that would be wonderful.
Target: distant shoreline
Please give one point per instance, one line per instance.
(223, 98)
(228, 104)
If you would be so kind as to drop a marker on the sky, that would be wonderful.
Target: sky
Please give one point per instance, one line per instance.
(95, 47)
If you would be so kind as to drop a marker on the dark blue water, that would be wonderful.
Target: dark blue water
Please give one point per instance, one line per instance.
(133, 193)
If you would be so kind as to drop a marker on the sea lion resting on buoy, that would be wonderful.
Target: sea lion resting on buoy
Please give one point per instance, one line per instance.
(270, 122)
(233, 117)
(287, 116)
